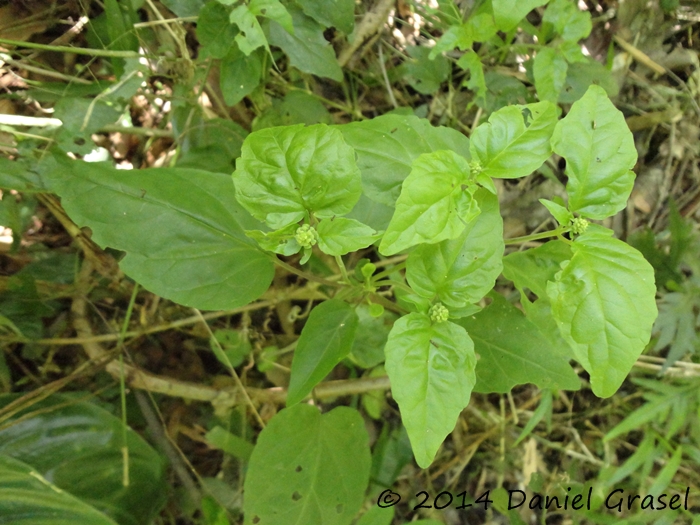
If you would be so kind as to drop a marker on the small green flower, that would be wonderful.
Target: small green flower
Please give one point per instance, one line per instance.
(475, 167)
(438, 313)
(306, 236)
(578, 225)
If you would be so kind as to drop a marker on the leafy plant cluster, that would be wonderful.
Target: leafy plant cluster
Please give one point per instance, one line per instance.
(390, 220)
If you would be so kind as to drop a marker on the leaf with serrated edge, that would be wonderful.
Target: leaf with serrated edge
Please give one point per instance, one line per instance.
(286, 172)
(387, 145)
(431, 368)
(600, 153)
(436, 203)
(340, 236)
(179, 227)
(461, 271)
(507, 148)
(604, 303)
(325, 340)
(308, 467)
(512, 351)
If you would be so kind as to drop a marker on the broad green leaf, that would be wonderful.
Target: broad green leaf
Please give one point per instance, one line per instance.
(581, 75)
(281, 241)
(503, 90)
(567, 19)
(285, 173)
(272, 10)
(457, 36)
(508, 13)
(532, 268)
(572, 52)
(179, 227)
(21, 305)
(206, 144)
(251, 35)
(240, 75)
(307, 48)
(308, 468)
(27, 498)
(297, 107)
(462, 270)
(424, 74)
(184, 8)
(604, 303)
(600, 154)
(431, 367)
(215, 32)
(77, 446)
(559, 212)
(387, 145)
(512, 351)
(377, 516)
(325, 340)
(482, 23)
(549, 70)
(371, 213)
(370, 337)
(20, 175)
(436, 203)
(515, 141)
(471, 62)
(331, 13)
(81, 118)
(340, 236)
(390, 454)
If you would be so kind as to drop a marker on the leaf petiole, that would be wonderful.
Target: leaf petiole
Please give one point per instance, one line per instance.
(536, 236)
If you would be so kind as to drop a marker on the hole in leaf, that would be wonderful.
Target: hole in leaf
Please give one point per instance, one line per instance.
(256, 519)
(339, 508)
(296, 496)
(298, 469)
(78, 141)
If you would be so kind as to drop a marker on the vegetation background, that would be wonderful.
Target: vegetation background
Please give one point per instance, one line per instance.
(172, 83)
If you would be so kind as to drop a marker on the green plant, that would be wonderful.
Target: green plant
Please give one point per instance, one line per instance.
(300, 181)
(388, 221)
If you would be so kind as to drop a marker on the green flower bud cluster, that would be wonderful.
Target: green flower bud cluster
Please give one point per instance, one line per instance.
(438, 313)
(578, 225)
(306, 236)
(475, 167)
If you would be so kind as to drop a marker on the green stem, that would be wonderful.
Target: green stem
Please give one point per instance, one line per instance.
(110, 53)
(537, 236)
(396, 268)
(305, 275)
(122, 384)
(343, 270)
(388, 282)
